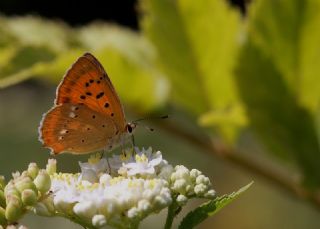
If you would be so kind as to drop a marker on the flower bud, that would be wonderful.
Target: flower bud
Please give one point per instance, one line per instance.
(2, 182)
(201, 179)
(200, 189)
(160, 202)
(85, 209)
(43, 181)
(99, 221)
(3, 220)
(182, 200)
(29, 197)
(194, 173)
(2, 199)
(62, 205)
(211, 194)
(144, 205)
(16, 175)
(24, 174)
(22, 227)
(45, 207)
(133, 212)
(51, 167)
(25, 183)
(11, 191)
(13, 209)
(11, 227)
(33, 170)
(179, 186)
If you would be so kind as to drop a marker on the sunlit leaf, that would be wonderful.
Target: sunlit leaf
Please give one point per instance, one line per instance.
(280, 88)
(21, 63)
(35, 31)
(46, 49)
(197, 42)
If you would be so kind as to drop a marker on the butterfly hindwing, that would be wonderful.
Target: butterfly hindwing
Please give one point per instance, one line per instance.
(77, 129)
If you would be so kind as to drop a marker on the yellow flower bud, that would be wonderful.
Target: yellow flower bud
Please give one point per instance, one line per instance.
(3, 220)
(43, 181)
(45, 207)
(2, 182)
(13, 209)
(11, 191)
(2, 199)
(25, 183)
(29, 197)
(51, 166)
(33, 170)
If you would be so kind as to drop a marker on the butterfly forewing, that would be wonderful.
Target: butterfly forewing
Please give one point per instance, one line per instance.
(87, 82)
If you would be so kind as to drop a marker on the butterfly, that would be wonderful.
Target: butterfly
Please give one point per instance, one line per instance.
(87, 115)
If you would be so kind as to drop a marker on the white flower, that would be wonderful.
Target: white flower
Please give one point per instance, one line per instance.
(99, 220)
(145, 163)
(90, 170)
(116, 161)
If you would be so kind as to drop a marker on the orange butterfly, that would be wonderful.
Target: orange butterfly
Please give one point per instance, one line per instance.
(87, 114)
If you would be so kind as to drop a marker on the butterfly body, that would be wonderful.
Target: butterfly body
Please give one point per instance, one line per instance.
(87, 115)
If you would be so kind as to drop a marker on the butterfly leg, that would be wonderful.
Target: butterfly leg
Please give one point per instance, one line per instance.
(123, 151)
(101, 154)
(107, 158)
(133, 145)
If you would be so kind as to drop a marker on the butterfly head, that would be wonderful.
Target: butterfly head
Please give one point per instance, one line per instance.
(130, 127)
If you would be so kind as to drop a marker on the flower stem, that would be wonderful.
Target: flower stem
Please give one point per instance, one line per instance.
(173, 210)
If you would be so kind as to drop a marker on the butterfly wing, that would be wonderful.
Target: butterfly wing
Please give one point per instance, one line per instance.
(87, 82)
(77, 129)
(87, 108)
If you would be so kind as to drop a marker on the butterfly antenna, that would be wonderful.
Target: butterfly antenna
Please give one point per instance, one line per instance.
(148, 118)
(148, 128)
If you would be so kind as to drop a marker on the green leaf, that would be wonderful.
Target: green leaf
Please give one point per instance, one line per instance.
(26, 42)
(197, 42)
(36, 31)
(210, 208)
(278, 79)
(46, 49)
(21, 63)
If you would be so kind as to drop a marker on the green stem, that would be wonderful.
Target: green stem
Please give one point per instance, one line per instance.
(76, 220)
(173, 210)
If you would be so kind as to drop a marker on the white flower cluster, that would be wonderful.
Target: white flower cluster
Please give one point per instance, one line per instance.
(187, 184)
(118, 192)
(113, 200)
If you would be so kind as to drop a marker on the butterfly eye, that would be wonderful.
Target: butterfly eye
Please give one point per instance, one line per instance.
(130, 127)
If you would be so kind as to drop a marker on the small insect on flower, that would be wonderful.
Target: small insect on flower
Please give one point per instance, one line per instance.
(87, 115)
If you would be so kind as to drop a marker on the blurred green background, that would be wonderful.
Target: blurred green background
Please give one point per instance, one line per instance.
(239, 80)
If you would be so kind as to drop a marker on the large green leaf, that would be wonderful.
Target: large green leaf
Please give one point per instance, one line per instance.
(210, 208)
(35, 47)
(197, 42)
(280, 89)
(288, 32)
